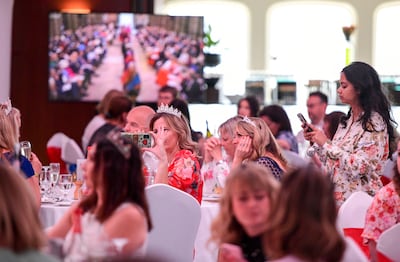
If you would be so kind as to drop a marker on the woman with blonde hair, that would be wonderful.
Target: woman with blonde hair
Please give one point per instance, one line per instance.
(249, 192)
(255, 142)
(10, 123)
(302, 221)
(178, 163)
(21, 232)
(218, 156)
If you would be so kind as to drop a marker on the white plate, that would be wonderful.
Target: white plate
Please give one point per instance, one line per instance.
(64, 203)
(211, 197)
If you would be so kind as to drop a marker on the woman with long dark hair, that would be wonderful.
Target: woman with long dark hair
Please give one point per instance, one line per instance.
(355, 157)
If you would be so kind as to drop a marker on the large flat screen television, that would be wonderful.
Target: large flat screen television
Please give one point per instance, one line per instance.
(89, 54)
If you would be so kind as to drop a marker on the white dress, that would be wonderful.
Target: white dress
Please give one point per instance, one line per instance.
(93, 242)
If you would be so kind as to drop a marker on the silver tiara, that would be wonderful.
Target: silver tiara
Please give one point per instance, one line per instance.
(248, 120)
(6, 106)
(169, 110)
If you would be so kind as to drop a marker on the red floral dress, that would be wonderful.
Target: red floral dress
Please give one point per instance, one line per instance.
(383, 213)
(184, 174)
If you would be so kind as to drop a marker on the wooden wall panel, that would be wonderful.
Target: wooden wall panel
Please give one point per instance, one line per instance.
(29, 71)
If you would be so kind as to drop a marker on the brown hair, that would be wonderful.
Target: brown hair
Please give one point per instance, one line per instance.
(121, 178)
(225, 228)
(20, 227)
(302, 221)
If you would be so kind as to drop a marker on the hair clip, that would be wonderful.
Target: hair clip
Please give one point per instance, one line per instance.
(115, 137)
(248, 120)
(6, 106)
(169, 110)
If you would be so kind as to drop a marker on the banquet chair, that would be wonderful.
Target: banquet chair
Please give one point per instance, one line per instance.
(351, 217)
(64, 150)
(388, 244)
(54, 148)
(176, 217)
(353, 252)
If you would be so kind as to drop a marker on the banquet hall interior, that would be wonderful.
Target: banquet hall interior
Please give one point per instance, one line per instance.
(281, 71)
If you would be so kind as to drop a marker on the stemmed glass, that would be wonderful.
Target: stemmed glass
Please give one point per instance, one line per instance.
(26, 149)
(65, 182)
(44, 180)
(54, 174)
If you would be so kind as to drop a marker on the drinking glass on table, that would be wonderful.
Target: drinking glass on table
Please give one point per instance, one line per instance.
(26, 149)
(44, 180)
(65, 183)
(54, 174)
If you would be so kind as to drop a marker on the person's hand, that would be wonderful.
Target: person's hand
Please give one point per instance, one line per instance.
(213, 150)
(230, 253)
(36, 164)
(243, 148)
(159, 149)
(315, 136)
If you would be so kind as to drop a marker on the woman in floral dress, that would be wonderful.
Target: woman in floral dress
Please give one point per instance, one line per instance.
(384, 211)
(178, 163)
(355, 157)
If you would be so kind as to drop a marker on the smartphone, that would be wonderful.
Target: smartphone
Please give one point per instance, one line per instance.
(140, 139)
(304, 121)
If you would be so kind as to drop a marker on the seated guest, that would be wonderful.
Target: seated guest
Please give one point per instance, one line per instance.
(249, 192)
(331, 123)
(278, 122)
(9, 139)
(218, 156)
(302, 221)
(255, 142)
(21, 234)
(115, 117)
(166, 94)
(248, 106)
(116, 206)
(384, 211)
(178, 164)
(100, 118)
(138, 119)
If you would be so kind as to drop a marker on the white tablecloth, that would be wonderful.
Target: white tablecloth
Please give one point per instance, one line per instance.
(204, 250)
(50, 213)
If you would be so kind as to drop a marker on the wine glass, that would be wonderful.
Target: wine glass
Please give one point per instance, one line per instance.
(26, 149)
(65, 182)
(44, 180)
(151, 162)
(54, 174)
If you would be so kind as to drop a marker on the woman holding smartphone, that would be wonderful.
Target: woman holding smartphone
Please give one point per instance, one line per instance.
(355, 157)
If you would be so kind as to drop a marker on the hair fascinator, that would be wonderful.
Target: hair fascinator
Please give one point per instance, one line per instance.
(121, 143)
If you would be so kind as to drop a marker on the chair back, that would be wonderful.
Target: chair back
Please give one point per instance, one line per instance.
(353, 252)
(388, 243)
(352, 212)
(176, 218)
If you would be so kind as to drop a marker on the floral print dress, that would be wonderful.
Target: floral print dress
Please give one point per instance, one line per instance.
(383, 213)
(184, 174)
(355, 157)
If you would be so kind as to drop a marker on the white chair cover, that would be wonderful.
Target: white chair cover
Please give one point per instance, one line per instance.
(352, 212)
(176, 218)
(353, 253)
(388, 243)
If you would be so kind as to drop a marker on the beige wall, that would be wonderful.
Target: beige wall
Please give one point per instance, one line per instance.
(364, 11)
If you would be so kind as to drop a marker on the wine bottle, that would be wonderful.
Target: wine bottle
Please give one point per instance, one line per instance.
(208, 133)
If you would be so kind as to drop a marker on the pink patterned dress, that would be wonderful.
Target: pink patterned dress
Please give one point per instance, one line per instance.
(184, 174)
(383, 213)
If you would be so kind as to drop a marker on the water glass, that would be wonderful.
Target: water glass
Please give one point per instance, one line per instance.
(65, 183)
(54, 174)
(44, 180)
(26, 149)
